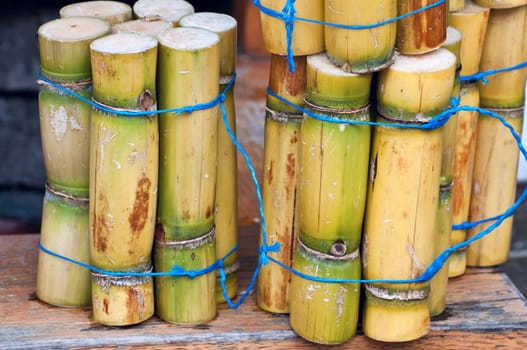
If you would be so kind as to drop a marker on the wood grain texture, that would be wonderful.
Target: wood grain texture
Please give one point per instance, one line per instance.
(483, 310)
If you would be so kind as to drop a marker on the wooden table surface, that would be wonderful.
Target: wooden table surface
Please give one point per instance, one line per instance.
(484, 309)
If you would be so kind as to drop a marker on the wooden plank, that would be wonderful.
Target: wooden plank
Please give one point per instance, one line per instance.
(483, 308)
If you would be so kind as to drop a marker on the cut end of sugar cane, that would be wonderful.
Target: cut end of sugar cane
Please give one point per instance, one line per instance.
(64, 47)
(421, 32)
(453, 43)
(471, 19)
(307, 38)
(122, 301)
(500, 4)
(223, 25)
(417, 87)
(365, 50)
(168, 10)
(395, 316)
(330, 86)
(115, 59)
(111, 11)
(321, 312)
(149, 25)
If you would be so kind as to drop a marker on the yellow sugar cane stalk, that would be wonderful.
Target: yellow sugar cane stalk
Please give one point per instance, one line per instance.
(364, 50)
(146, 25)
(423, 31)
(471, 21)
(122, 300)
(65, 230)
(333, 159)
(494, 186)
(500, 4)
(281, 135)
(123, 153)
(182, 299)
(324, 312)
(506, 33)
(64, 47)
(188, 74)
(438, 284)
(226, 211)
(464, 153)
(123, 176)
(168, 10)
(401, 215)
(64, 120)
(111, 11)
(456, 5)
(307, 38)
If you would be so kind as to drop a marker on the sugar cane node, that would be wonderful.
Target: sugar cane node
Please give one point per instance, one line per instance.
(49, 187)
(105, 280)
(340, 255)
(186, 244)
(399, 295)
(282, 117)
(74, 85)
(339, 112)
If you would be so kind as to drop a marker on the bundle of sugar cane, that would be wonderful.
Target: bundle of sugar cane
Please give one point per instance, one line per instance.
(123, 176)
(65, 230)
(307, 38)
(226, 210)
(168, 10)
(438, 284)
(111, 11)
(65, 127)
(470, 20)
(500, 4)
(423, 31)
(146, 25)
(496, 159)
(64, 120)
(189, 72)
(281, 135)
(331, 194)
(364, 50)
(401, 215)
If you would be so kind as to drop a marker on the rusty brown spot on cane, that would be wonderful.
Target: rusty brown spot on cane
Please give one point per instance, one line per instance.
(294, 139)
(429, 27)
(269, 173)
(160, 233)
(101, 226)
(291, 175)
(105, 305)
(139, 215)
(208, 212)
(134, 303)
(186, 214)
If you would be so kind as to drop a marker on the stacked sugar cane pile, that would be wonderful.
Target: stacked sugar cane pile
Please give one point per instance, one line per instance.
(385, 195)
(418, 181)
(150, 179)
